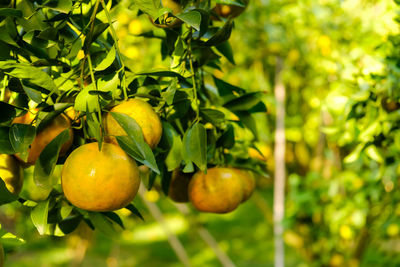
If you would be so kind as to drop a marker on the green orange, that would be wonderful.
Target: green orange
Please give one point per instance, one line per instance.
(218, 191)
(145, 116)
(103, 180)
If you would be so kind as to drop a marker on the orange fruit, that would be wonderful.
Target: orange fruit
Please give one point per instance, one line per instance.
(103, 180)
(218, 191)
(178, 187)
(169, 21)
(46, 135)
(11, 173)
(248, 183)
(232, 11)
(143, 114)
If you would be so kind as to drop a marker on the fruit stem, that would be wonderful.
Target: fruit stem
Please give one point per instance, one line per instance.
(115, 38)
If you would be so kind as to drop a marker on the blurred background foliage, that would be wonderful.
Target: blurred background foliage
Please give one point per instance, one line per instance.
(341, 73)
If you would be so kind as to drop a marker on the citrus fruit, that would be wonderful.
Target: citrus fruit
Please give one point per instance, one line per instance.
(248, 183)
(45, 136)
(11, 173)
(178, 187)
(218, 191)
(103, 180)
(169, 21)
(143, 114)
(230, 11)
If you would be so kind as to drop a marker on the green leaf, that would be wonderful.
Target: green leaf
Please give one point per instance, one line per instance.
(226, 50)
(21, 137)
(221, 36)
(63, 6)
(10, 12)
(84, 98)
(5, 195)
(193, 18)
(354, 155)
(92, 36)
(39, 216)
(227, 139)
(114, 217)
(134, 210)
(213, 116)
(247, 119)
(103, 224)
(162, 73)
(244, 102)
(135, 144)
(373, 152)
(68, 225)
(27, 72)
(47, 160)
(106, 61)
(174, 157)
(195, 145)
(5, 144)
(226, 89)
(150, 7)
(7, 112)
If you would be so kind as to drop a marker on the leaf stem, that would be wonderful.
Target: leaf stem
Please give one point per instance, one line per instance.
(115, 38)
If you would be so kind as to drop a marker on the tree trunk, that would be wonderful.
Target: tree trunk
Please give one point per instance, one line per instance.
(280, 173)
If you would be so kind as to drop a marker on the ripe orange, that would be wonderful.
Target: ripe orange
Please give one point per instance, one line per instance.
(143, 114)
(248, 183)
(170, 22)
(178, 187)
(11, 173)
(226, 11)
(46, 135)
(103, 180)
(218, 191)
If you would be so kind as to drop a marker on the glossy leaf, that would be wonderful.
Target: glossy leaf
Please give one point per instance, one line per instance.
(39, 216)
(47, 160)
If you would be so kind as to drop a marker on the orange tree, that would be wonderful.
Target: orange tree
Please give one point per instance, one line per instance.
(61, 59)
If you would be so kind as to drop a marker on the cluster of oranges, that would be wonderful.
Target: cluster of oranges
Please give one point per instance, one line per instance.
(109, 179)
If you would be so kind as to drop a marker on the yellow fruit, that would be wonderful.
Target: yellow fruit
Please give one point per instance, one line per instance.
(248, 183)
(103, 180)
(229, 11)
(169, 21)
(143, 114)
(135, 27)
(45, 136)
(11, 173)
(178, 187)
(218, 191)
